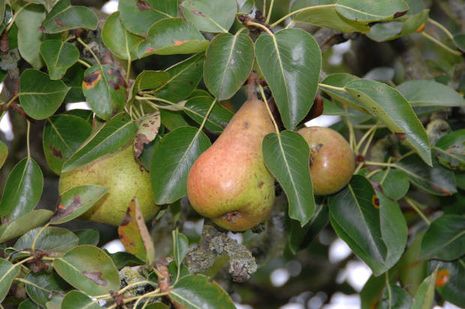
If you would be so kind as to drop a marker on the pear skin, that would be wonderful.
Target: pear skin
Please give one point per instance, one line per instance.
(123, 177)
(332, 161)
(229, 182)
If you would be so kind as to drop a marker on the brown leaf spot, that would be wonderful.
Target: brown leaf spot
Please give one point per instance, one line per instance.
(63, 211)
(180, 42)
(375, 201)
(399, 14)
(56, 152)
(442, 277)
(148, 50)
(59, 22)
(421, 28)
(91, 80)
(139, 142)
(95, 276)
(197, 12)
(143, 5)
(401, 136)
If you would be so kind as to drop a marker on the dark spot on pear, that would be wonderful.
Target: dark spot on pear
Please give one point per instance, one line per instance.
(260, 184)
(231, 216)
(246, 125)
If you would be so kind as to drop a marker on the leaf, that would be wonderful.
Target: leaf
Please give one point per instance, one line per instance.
(430, 93)
(368, 11)
(445, 238)
(229, 60)
(78, 300)
(389, 106)
(197, 291)
(287, 157)
(172, 159)
(135, 236)
(435, 180)
(65, 17)
(139, 15)
(40, 96)
(184, 78)
(450, 281)
(114, 135)
(23, 224)
(28, 304)
(53, 241)
(122, 43)
(172, 36)
(2, 10)
(3, 153)
(8, 272)
(290, 60)
(395, 297)
(88, 269)
(150, 80)
(44, 287)
(395, 183)
(450, 150)
(180, 247)
(23, 189)
(197, 107)
(76, 202)
(148, 127)
(210, 16)
(59, 56)
(29, 20)
(459, 41)
(63, 134)
(372, 225)
(424, 299)
(105, 90)
(325, 15)
(339, 80)
(88, 236)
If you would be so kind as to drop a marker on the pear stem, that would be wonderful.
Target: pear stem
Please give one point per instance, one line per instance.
(251, 86)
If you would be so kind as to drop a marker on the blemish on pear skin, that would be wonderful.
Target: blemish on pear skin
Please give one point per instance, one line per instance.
(246, 125)
(231, 216)
(260, 184)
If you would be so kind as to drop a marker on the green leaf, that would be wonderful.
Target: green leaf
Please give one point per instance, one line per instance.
(459, 41)
(172, 159)
(325, 15)
(44, 286)
(23, 224)
(29, 21)
(389, 106)
(138, 16)
(65, 17)
(183, 79)
(339, 80)
(180, 247)
(450, 281)
(435, 180)
(395, 183)
(88, 269)
(122, 43)
(76, 202)
(28, 304)
(111, 137)
(88, 237)
(287, 156)
(197, 107)
(368, 11)
(53, 241)
(150, 80)
(3, 153)
(395, 297)
(135, 236)
(2, 11)
(23, 189)
(229, 60)
(198, 291)
(78, 300)
(8, 272)
(290, 60)
(372, 225)
(63, 134)
(59, 56)
(210, 16)
(445, 238)
(40, 96)
(105, 90)
(430, 93)
(172, 36)
(424, 299)
(450, 150)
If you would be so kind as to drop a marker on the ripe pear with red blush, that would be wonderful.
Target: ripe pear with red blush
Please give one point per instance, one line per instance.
(229, 182)
(332, 161)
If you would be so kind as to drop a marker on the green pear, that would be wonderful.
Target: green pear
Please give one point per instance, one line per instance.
(229, 182)
(332, 162)
(123, 177)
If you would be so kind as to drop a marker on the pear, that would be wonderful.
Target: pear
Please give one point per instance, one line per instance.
(123, 177)
(229, 182)
(332, 161)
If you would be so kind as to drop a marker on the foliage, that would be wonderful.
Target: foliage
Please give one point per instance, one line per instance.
(167, 76)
